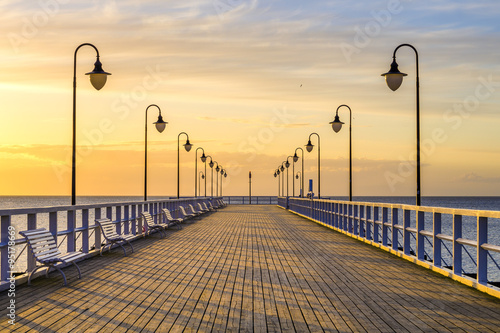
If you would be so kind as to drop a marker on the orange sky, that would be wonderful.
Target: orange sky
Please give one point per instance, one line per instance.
(249, 84)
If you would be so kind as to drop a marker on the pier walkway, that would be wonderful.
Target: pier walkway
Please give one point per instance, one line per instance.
(251, 268)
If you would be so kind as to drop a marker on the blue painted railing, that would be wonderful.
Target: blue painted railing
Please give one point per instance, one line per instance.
(74, 228)
(453, 242)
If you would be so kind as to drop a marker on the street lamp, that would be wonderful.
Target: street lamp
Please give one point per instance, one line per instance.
(282, 168)
(337, 126)
(202, 176)
(309, 148)
(221, 171)
(394, 78)
(278, 174)
(287, 165)
(211, 165)
(217, 178)
(203, 159)
(98, 79)
(160, 126)
(188, 147)
(295, 159)
(297, 176)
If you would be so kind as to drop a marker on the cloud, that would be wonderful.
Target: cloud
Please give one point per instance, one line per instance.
(473, 177)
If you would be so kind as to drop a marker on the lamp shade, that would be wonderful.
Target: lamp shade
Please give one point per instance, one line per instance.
(275, 174)
(297, 176)
(160, 124)
(98, 77)
(309, 146)
(282, 168)
(217, 168)
(295, 157)
(278, 172)
(188, 145)
(225, 174)
(203, 158)
(394, 77)
(336, 124)
(287, 164)
(211, 164)
(202, 176)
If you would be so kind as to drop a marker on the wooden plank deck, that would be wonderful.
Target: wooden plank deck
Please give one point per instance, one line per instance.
(251, 268)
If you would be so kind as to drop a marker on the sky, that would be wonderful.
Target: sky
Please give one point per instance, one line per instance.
(249, 81)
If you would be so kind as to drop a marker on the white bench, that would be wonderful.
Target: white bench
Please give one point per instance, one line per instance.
(43, 246)
(109, 232)
(148, 219)
(170, 220)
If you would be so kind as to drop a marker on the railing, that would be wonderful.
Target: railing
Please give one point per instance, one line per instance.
(453, 242)
(73, 227)
(254, 200)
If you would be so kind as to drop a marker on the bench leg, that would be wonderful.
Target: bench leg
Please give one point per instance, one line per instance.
(64, 276)
(124, 252)
(78, 268)
(33, 271)
(130, 247)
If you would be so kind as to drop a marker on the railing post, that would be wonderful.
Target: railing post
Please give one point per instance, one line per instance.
(133, 218)
(53, 223)
(420, 237)
(385, 219)
(395, 245)
(482, 254)
(436, 242)
(376, 218)
(97, 233)
(368, 234)
(118, 210)
(70, 237)
(362, 221)
(85, 230)
(406, 233)
(126, 218)
(354, 209)
(4, 251)
(457, 247)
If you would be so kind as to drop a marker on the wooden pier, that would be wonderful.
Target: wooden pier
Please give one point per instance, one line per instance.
(254, 269)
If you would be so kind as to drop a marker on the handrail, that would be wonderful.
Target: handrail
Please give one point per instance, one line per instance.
(390, 227)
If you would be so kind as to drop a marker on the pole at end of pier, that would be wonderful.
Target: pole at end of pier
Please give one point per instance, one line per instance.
(250, 187)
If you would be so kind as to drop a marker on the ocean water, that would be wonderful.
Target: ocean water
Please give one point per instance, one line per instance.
(469, 223)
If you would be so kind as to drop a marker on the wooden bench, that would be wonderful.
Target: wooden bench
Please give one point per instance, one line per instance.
(170, 220)
(203, 210)
(185, 215)
(148, 220)
(193, 211)
(43, 246)
(211, 208)
(109, 232)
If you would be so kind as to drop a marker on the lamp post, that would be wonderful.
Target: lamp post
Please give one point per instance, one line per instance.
(202, 176)
(295, 159)
(309, 148)
(203, 159)
(187, 146)
(282, 168)
(216, 178)
(394, 78)
(287, 165)
(98, 79)
(276, 174)
(160, 126)
(211, 165)
(337, 126)
(222, 172)
(297, 176)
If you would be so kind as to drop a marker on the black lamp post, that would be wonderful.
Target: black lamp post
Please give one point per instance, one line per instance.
(336, 126)
(394, 78)
(287, 165)
(202, 176)
(217, 169)
(295, 159)
(160, 126)
(309, 148)
(221, 170)
(211, 165)
(282, 168)
(276, 175)
(297, 176)
(203, 159)
(98, 79)
(188, 147)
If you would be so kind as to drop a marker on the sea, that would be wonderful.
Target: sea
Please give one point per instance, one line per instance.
(491, 203)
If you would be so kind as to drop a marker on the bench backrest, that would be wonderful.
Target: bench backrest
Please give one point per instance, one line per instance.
(146, 216)
(200, 207)
(41, 243)
(183, 211)
(108, 228)
(192, 209)
(167, 214)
